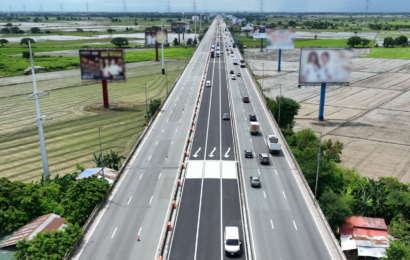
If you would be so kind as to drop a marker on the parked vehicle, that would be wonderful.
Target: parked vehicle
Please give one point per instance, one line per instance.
(273, 144)
(254, 128)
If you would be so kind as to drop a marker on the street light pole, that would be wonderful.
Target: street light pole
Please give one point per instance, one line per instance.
(162, 44)
(318, 156)
(146, 102)
(101, 156)
(280, 102)
(263, 73)
(166, 76)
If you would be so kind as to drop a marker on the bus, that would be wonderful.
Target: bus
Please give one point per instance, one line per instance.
(213, 47)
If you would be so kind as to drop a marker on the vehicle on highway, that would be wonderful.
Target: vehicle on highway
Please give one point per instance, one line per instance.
(234, 45)
(229, 45)
(231, 72)
(255, 181)
(232, 54)
(245, 99)
(248, 154)
(235, 61)
(232, 244)
(244, 46)
(243, 64)
(226, 116)
(254, 128)
(213, 47)
(222, 52)
(208, 83)
(212, 54)
(238, 74)
(233, 77)
(264, 158)
(227, 49)
(273, 144)
(217, 54)
(252, 117)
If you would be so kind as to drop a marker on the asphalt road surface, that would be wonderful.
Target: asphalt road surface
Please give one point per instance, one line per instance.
(282, 227)
(140, 204)
(210, 198)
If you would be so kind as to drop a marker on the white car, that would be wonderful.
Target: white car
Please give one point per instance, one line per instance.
(233, 77)
(232, 55)
(208, 83)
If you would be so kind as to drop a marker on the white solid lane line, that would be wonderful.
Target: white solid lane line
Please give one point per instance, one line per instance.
(150, 199)
(129, 200)
(114, 233)
(284, 194)
(271, 223)
(264, 194)
(276, 172)
(141, 176)
(295, 225)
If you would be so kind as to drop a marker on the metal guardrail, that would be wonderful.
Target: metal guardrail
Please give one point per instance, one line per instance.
(334, 240)
(94, 213)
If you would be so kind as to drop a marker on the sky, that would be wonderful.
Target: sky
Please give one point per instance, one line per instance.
(209, 5)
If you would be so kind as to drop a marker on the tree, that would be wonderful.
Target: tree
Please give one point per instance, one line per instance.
(365, 42)
(79, 30)
(397, 251)
(26, 40)
(81, 199)
(175, 42)
(119, 41)
(8, 25)
(292, 23)
(353, 41)
(388, 42)
(401, 40)
(5, 30)
(289, 108)
(195, 42)
(400, 228)
(110, 160)
(48, 245)
(371, 199)
(110, 30)
(398, 202)
(189, 42)
(3, 41)
(16, 30)
(336, 208)
(35, 30)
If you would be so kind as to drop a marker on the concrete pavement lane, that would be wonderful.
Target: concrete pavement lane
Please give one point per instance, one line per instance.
(278, 211)
(140, 204)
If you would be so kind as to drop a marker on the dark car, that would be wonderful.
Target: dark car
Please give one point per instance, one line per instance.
(238, 74)
(231, 72)
(248, 154)
(264, 158)
(245, 99)
(226, 116)
(227, 49)
(252, 117)
(255, 181)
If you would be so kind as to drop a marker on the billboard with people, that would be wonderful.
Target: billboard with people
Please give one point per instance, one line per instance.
(156, 36)
(259, 31)
(280, 39)
(325, 65)
(178, 27)
(102, 64)
(195, 18)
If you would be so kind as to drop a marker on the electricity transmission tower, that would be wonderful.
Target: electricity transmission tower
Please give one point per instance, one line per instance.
(261, 12)
(366, 10)
(61, 7)
(125, 6)
(168, 6)
(87, 8)
(194, 5)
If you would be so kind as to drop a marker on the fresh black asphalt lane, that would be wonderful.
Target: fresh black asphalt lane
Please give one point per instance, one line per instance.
(209, 204)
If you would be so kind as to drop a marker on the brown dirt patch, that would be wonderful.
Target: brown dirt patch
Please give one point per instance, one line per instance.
(117, 106)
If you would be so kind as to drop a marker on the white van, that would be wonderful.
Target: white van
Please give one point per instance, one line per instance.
(232, 244)
(208, 83)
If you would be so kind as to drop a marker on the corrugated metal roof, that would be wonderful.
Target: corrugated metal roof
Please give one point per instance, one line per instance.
(47, 222)
(362, 222)
(109, 174)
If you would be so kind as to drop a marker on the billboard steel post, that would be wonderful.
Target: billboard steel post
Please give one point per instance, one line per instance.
(280, 56)
(43, 150)
(156, 51)
(322, 101)
(261, 44)
(105, 94)
(162, 30)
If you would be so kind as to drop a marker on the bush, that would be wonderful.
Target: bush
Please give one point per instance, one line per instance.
(26, 54)
(119, 41)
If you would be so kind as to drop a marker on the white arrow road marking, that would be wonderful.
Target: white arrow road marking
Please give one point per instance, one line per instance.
(196, 154)
(212, 153)
(226, 154)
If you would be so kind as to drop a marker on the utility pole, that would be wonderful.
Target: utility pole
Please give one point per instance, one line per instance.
(280, 102)
(146, 102)
(39, 118)
(162, 46)
(86, 4)
(194, 5)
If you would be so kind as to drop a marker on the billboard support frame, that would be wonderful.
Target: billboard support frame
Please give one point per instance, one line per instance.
(322, 101)
(280, 57)
(105, 94)
(261, 44)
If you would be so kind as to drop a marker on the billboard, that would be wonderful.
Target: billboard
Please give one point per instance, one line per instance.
(156, 36)
(178, 27)
(259, 31)
(325, 65)
(205, 17)
(102, 64)
(281, 39)
(186, 25)
(195, 18)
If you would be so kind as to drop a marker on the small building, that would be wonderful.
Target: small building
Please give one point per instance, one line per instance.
(109, 174)
(366, 235)
(47, 222)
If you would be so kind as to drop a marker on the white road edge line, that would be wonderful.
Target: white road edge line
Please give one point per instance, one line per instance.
(139, 231)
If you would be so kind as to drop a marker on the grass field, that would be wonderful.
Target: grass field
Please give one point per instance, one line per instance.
(389, 53)
(72, 135)
(12, 66)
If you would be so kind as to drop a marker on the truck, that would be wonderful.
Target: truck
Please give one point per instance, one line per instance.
(235, 61)
(234, 45)
(243, 65)
(212, 54)
(273, 144)
(254, 128)
(217, 53)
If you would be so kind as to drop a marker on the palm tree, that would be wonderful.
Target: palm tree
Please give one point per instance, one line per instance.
(371, 198)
